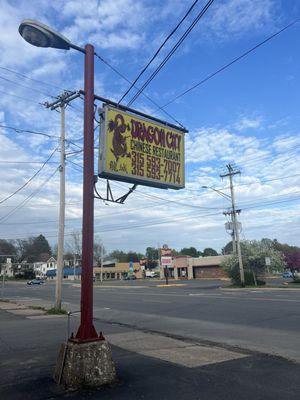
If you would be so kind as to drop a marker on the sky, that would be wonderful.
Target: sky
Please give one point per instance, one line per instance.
(247, 115)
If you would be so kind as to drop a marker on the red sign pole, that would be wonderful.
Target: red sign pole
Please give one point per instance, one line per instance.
(86, 329)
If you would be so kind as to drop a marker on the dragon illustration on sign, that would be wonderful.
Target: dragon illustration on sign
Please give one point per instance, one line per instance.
(119, 128)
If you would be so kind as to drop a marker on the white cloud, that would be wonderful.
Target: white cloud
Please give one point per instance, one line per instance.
(232, 18)
(247, 123)
(126, 27)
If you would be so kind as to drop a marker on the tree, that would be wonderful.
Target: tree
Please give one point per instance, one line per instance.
(40, 246)
(190, 251)
(292, 260)
(227, 249)
(98, 250)
(209, 252)
(291, 255)
(254, 255)
(118, 255)
(121, 256)
(32, 248)
(7, 249)
(152, 253)
(75, 243)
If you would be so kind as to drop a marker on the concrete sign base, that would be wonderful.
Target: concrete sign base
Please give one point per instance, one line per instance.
(87, 364)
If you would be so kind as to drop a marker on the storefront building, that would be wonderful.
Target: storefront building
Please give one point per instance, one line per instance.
(186, 267)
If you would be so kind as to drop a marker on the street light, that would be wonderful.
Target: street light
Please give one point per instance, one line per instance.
(40, 35)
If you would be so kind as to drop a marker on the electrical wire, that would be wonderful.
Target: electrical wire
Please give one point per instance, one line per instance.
(30, 179)
(172, 51)
(158, 50)
(18, 130)
(230, 63)
(153, 223)
(21, 98)
(249, 183)
(27, 199)
(74, 163)
(27, 87)
(144, 94)
(24, 162)
(32, 79)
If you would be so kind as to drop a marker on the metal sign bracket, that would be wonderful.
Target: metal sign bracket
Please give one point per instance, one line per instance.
(109, 195)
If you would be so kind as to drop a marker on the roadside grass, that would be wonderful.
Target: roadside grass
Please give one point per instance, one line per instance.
(37, 308)
(49, 311)
(295, 282)
(295, 285)
(56, 311)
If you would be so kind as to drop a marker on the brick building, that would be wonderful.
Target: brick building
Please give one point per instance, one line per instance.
(187, 267)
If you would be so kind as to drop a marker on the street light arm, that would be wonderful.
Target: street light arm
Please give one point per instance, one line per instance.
(78, 48)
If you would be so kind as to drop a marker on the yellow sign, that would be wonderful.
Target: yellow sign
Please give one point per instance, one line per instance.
(141, 150)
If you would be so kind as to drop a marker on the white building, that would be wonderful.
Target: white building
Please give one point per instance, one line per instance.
(40, 268)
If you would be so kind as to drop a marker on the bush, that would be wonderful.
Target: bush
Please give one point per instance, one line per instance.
(231, 266)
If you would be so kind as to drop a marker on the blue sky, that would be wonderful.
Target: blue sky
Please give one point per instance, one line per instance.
(247, 115)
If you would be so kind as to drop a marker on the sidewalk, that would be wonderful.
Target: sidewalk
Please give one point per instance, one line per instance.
(149, 366)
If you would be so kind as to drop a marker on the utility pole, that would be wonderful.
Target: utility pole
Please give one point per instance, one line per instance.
(61, 103)
(101, 273)
(231, 172)
(233, 235)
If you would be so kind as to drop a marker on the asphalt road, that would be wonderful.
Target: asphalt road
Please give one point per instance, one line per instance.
(149, 366)
(260, 320)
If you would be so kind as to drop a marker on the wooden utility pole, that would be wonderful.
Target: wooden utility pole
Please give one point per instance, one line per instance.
(61, 103)
(231, 172)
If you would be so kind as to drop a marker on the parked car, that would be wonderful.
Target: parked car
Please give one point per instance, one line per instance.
(130, 278)
(35, 282)
(287, 274)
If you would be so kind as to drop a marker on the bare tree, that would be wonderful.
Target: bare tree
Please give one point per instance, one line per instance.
(98, 246)
(75, 244)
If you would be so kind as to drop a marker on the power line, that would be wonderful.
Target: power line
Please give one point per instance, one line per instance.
(144, 94)
(26, 87)
(24, 162)
(158, 50)
(245, 205)
(74, 163)
(141, 225)
(172, 51)
(32, 79)
(131, 226)
(250, 183)
(30, 179)
(230, 63)
(249, 161)
(21, 98)
(18, 130)
(28, 198)
(176, 202)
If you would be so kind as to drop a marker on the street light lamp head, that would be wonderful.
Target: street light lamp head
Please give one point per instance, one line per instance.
(204, 187)
(41, 35)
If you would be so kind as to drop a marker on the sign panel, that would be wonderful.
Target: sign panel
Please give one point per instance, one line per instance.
(140, 150)
(165, 251)
(166, 261)
(268, 261)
